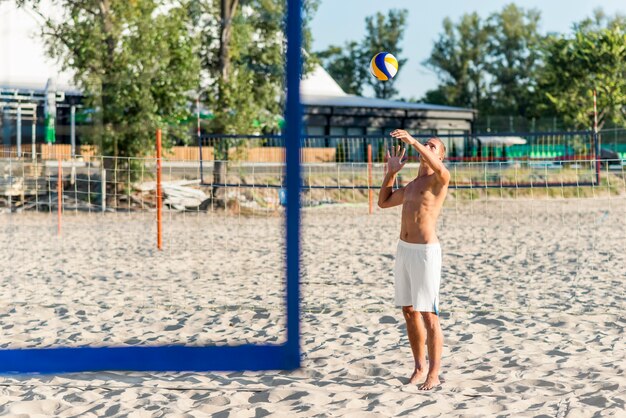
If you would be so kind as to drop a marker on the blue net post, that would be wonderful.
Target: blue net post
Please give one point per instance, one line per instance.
(293, 128)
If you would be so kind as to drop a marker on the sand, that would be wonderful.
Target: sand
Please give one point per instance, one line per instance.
(532, 311)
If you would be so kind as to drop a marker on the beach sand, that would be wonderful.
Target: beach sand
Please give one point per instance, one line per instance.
(532, 311)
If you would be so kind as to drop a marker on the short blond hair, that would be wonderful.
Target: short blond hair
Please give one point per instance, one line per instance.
(443, 146)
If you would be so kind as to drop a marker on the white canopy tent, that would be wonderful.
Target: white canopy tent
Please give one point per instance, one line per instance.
(320, 83)
(501, 140)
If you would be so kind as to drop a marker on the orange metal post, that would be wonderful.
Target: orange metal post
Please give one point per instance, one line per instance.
(59, 196)
(369, 177)
(159, 192)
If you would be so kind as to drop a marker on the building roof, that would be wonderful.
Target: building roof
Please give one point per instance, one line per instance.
(24, 87)
(318, 88)
(349, 100)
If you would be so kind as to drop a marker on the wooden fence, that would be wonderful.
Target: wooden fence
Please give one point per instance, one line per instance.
(179, 153)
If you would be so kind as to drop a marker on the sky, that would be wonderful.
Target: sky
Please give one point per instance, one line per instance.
(22, 57)
(22, 54)
(338, 21)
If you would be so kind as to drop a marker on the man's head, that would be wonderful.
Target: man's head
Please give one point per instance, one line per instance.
(437, 146)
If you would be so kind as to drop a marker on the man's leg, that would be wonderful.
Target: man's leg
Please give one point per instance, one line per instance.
(417, 337)
(435, 347)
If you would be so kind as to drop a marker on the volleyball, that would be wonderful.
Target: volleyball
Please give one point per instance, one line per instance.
(384, 66)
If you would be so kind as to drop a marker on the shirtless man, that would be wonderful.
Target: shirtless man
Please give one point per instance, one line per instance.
(417, 270)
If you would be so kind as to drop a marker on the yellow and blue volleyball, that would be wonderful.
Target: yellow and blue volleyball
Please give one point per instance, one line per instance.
(384, 66)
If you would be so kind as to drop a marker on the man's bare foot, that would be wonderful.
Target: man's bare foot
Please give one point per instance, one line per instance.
(431, 382)
(416, 376)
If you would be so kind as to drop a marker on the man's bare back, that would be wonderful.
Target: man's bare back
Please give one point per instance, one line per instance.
(418, 262)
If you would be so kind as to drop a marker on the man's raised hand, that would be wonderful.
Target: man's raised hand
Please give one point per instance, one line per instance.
(403, 136)
(395, 160)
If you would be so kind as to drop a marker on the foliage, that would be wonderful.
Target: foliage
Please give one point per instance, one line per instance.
(242, 53)
(513, 50)
(576, 65)
(489, 65)
(251, 89)
(459, 59)
(505, 66)
(134, 61)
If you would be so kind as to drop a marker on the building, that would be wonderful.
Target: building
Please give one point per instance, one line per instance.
(33, 113)
(330, 112)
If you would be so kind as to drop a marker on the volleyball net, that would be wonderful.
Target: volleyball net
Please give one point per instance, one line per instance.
(84, 269)
(247, 174)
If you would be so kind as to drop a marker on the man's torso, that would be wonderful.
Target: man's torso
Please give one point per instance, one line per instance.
(423, 199)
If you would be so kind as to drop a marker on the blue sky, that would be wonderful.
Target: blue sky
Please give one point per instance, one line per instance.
(338, 21)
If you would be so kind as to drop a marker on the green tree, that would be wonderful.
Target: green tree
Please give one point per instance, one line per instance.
(576, 65)
(349, 66)
(459, 58)
(513, 50)
(243, 70)
(488, 65)
(242, 52)
(134, 60)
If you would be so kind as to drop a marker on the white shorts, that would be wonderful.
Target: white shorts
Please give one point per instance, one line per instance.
(417, 276)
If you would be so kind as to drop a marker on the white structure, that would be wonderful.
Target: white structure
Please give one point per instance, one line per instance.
(506, 141)
(23, 62)
(320, 83)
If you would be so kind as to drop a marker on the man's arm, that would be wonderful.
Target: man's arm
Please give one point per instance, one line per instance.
(431, 158)
(387, 197)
